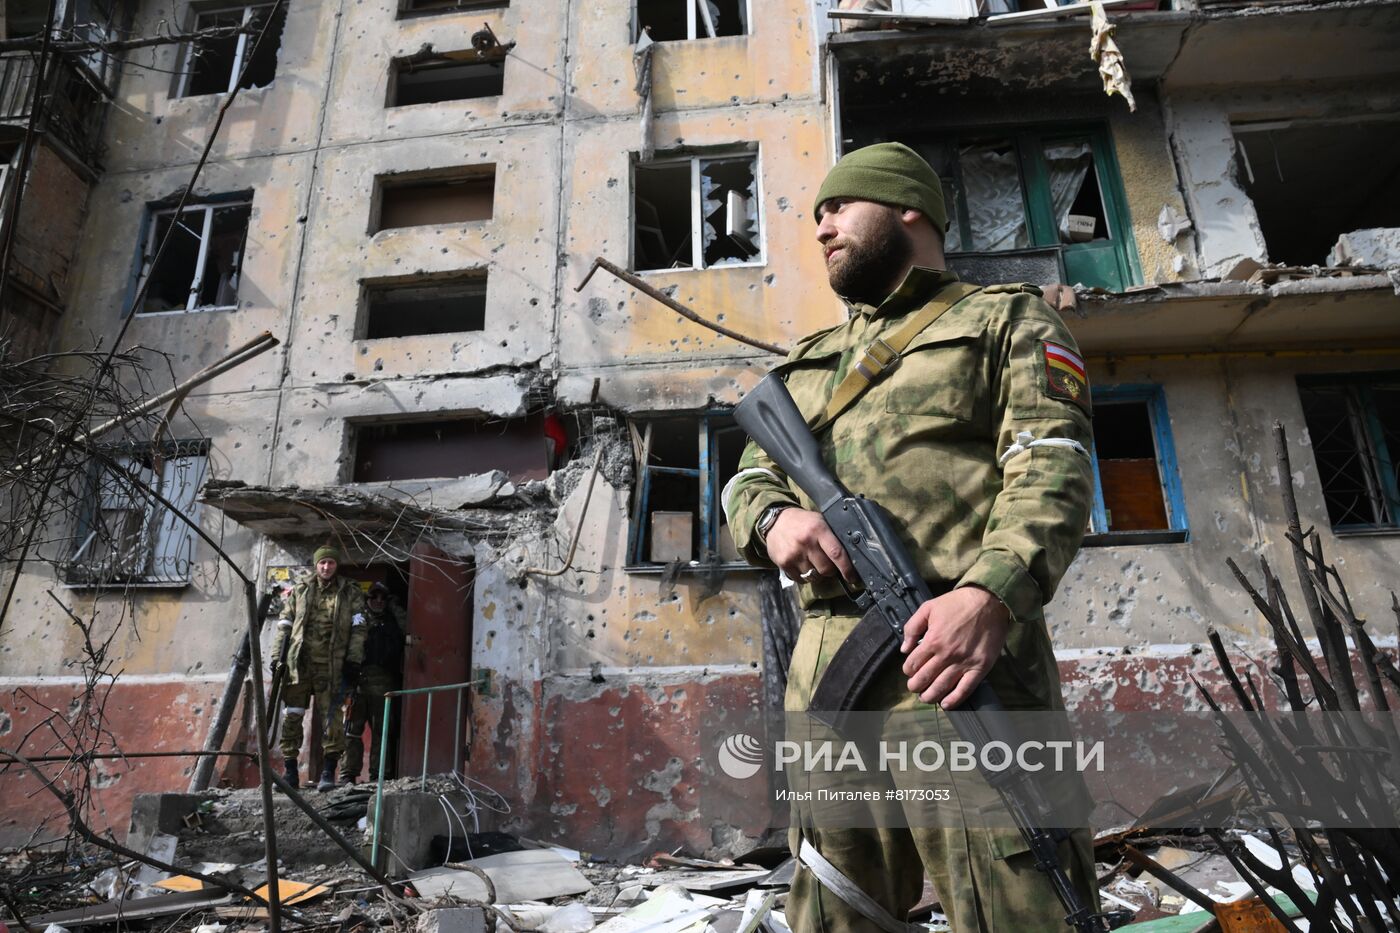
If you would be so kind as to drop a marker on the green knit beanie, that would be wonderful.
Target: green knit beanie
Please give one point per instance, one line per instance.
(890, 173)
(324, 551)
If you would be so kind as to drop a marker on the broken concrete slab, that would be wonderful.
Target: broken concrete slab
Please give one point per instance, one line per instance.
(527, 875)
(707, 879)
(1377, 246)
(453, 920)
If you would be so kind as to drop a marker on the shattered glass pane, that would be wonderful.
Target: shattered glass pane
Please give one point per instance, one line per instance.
(729, 209)
(1074, 192)
(173, 277)
(996, 205)
(219, 288)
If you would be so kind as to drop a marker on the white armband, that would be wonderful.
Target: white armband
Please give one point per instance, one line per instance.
(357, 619)
(1025, 440)
(729, 487)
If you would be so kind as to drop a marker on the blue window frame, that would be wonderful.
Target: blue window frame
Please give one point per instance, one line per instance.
(683, 462)
(1137, 487)
(1354, 425)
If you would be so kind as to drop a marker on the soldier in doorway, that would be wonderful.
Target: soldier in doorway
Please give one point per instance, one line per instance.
(382, 668)
(324, 616)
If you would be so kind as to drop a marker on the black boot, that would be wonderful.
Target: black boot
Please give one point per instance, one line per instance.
(290, 767)
(349, 780)
(327, 781)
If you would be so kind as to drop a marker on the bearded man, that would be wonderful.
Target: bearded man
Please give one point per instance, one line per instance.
(968, 420)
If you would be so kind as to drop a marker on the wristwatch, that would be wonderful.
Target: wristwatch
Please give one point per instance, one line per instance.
(766, 520)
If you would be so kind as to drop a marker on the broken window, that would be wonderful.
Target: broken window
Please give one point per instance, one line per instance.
(1033, 195)
(440, 306)
(439, 80)
(1137, 490)
(1291, 171)
(125, 535)
(1354, 424)
(677, 515)
(200, 267)
(519, 447)
(665, 20)
(447, 6)
(235, 57)
(696, 212)
(460, 196)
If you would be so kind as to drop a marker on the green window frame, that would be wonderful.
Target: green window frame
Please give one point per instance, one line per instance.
(1108, 261)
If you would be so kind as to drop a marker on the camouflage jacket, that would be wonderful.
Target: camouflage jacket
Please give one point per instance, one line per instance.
(347, 634)
(927, 442)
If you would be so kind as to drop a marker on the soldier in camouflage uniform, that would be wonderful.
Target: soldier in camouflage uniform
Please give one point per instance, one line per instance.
(380, 674)
(975, 439)
(327, 616)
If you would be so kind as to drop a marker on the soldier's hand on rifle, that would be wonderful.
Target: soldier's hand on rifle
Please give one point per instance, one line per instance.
(962, 634)
(350, 675)
(274, 668)
(804, 547)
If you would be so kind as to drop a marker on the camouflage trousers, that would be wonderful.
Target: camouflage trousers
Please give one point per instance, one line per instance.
(985, 878)
(296, 699)
(367, 709)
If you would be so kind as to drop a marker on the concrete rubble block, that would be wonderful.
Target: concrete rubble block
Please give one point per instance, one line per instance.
(453, 920)
(152, 814)
(1378, 246)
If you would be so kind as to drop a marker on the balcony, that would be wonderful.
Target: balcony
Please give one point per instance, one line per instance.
(74, 109)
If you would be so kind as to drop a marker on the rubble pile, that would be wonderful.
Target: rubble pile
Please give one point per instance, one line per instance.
(513, 883)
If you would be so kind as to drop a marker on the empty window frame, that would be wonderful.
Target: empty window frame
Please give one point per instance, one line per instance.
(429, 7)
(437, 306)
(464, 195)
(1039, 190)
(201, 265)
(125, 536)
(666, 20)
(440, 80)
(456, 447)
(1354, 426)
(235, 57)
(1137, 487)
(1290, 171)
(696, 212)
(677, 515)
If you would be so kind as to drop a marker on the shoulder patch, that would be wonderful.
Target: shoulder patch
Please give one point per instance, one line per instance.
(1065, 376)
(1013, 288)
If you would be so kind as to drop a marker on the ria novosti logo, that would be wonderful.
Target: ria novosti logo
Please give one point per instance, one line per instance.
(741, 756)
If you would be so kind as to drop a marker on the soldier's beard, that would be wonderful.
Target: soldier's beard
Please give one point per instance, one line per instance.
(865, 268)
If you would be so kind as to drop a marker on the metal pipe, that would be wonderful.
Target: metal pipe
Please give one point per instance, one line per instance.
(675, 305)
(266, 777)
(379, 785)
(578, 529)
(258, 345)
(457, 735)
(218, 729)
(116, 756)
(341, 842)
(427, 732)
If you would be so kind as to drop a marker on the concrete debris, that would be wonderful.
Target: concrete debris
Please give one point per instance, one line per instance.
(1171, 223)
(1106, 54)
(453, 920)
(1378, 247)
(527, 875)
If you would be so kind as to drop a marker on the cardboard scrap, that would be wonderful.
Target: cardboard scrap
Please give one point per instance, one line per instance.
(294, 892)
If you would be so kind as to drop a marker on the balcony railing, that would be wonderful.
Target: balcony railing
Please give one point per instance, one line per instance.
(74, 108)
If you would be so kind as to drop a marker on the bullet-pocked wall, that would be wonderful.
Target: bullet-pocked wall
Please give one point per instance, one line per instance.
(1135, 612)
(381, 155)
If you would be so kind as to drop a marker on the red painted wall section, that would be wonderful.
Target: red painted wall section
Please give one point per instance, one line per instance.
(619, 770)
(140, 718)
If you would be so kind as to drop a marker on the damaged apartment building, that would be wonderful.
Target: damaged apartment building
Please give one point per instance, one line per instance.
(406, 195)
